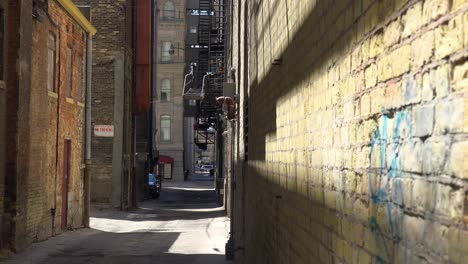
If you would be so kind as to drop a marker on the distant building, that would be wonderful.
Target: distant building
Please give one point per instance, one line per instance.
(192, 49)
(42, 120)
(170, 74)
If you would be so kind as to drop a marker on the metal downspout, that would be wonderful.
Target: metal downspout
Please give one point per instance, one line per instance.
(87, 175)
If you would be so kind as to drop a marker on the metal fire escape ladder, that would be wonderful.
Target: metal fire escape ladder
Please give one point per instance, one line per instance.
(211, 67)
(216, 56)
(204, 14)
(190, 92)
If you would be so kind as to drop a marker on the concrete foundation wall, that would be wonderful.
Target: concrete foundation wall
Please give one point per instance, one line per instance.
(357, 132)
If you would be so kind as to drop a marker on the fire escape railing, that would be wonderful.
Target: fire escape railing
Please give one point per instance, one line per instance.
(214, 58)
(205, 83)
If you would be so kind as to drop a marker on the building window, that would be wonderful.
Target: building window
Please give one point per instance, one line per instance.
(192, 102)
(166, 90)
(68, 73)
(196, 12)
(51, 63)
(2, 40)
(165, 128)
(169, 10)
(165, 52)
(193, 29)
(79, 86)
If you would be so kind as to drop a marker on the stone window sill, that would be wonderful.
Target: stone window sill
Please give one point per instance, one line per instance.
(69, 100)
(80, 104)
(52, 94)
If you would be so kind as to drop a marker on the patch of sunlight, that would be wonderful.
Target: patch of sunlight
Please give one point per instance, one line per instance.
(187, 188)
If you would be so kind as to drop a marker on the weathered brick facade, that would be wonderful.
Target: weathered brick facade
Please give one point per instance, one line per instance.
(38, 123)
(112, 81)
(357, 131)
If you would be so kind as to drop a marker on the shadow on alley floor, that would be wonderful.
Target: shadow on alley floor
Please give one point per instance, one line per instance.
(184, 225)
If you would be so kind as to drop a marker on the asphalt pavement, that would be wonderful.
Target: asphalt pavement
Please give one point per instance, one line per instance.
(185, 225)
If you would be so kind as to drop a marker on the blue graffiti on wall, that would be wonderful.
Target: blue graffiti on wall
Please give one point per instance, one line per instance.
(390, 164)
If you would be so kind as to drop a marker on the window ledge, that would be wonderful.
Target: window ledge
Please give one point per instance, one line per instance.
(69, 100)
(2, 85)
(80, 104)
(52, 94)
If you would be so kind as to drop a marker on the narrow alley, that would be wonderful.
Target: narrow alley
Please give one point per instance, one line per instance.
(185, 225)
(234, 131)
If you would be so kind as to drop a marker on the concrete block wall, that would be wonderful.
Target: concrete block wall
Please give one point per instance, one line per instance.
(357, 136)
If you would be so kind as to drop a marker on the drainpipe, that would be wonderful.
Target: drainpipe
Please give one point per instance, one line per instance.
(87, 175)
(57, 132)
(230, 245)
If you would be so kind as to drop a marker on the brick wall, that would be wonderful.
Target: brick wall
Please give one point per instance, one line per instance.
(109, 47)
(357, 138)
(38, 119)
(12, 78)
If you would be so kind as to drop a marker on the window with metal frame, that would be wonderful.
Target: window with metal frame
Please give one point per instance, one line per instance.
(68, 73)
(166, 90)
(165, 51)
(165, 126)
(79, 86)
(169, 10)
(51, 56)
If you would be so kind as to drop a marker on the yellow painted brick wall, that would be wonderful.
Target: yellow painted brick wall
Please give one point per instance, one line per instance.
(357, 139)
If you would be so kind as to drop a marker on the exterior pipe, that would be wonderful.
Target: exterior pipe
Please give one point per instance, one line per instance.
(87, 175)
(230, 245)
(57, 127)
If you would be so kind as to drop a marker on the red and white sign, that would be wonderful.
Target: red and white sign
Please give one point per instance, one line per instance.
(104, 130)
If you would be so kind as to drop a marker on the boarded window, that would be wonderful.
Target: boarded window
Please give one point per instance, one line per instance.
(51, 63)
(79, 77)
(69, 73)
(165, 128)
(166, 90)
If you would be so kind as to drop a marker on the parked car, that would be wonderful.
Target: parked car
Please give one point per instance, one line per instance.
(207, 168)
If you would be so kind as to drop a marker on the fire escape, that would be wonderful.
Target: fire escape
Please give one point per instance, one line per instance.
(205, 83)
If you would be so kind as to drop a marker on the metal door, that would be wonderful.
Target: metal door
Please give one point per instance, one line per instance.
(65, 180)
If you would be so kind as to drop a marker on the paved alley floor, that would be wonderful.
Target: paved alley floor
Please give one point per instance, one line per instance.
(183, 226)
